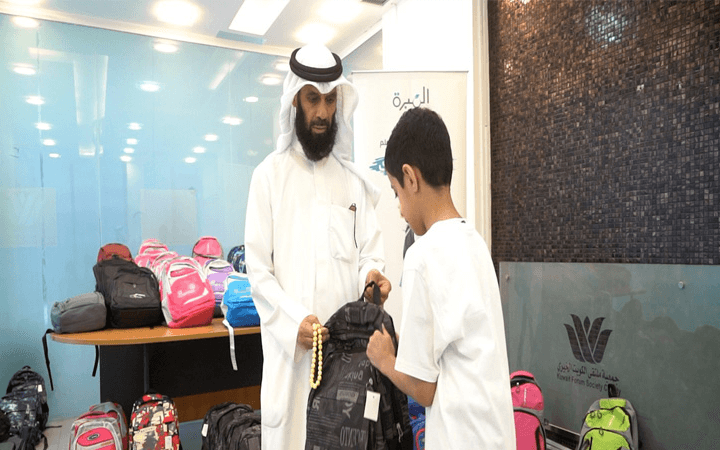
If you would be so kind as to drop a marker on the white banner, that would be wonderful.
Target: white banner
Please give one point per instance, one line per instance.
(384, 97)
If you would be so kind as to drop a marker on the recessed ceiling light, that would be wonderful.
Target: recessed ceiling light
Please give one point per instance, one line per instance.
(54, 155)
(256, 16)
(131, 141)
(43, 126)
(315, 33)
(270, 80)
(211, 137)
(165, 47)
(251, 99)
(35, 100)
(190, 160)
(125, 158)
(24, 69)
(229, 120)
(282, 66)
(129, 150)
(49, 142)
(25, 22)
(177, 12)
(199, 149)
(134, 126)
(340, 11)
(150, 86)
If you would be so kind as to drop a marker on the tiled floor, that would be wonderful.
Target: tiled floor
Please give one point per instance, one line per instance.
(58, 435)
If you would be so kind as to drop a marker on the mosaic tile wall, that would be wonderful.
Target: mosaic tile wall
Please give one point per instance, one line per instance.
(605, 128)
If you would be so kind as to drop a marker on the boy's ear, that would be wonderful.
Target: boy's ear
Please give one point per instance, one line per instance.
(411, 177)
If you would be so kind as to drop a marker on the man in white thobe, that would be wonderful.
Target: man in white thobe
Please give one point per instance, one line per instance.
(312, 238)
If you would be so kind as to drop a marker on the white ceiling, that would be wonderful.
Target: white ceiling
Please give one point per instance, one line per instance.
(136, 16)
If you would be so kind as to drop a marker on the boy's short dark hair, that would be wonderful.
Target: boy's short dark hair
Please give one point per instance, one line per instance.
(420, 139)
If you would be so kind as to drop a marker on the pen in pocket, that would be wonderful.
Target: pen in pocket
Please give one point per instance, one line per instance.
(353, 208)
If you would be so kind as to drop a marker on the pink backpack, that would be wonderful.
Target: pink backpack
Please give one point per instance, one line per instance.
(149, 244)
(98, 429)
(528, 406)
(206, 248)
(187, 296)
(148, 256)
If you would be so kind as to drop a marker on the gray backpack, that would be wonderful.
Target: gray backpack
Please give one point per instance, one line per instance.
(84, 312)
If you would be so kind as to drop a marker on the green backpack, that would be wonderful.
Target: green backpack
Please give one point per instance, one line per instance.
(610, 424)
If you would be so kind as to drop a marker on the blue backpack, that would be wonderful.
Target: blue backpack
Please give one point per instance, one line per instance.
(238, 308)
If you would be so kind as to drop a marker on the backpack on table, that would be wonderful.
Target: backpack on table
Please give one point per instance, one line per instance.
(154, 423)
(217, 271)
(349, 380)
(25, 404)
(238, 308)
(151, 244)
(187, 297)
(236, 257)
(103, 426)
(528, 408)
(207, 247)
(131, 293)
(108, 251)
(610, 423)
(230, 426)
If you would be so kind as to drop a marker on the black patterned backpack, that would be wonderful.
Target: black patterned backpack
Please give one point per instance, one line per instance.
(26, 407)
(339, 415)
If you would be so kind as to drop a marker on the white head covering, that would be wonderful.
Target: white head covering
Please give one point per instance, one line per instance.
(320, 60)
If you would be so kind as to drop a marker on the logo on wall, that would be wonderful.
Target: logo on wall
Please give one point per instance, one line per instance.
(379, 164)
(588, 343)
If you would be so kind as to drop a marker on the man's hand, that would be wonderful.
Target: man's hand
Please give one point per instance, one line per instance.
(305, 332)
(381, 351)
(381, 281)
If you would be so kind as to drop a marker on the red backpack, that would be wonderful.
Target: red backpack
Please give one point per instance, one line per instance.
(528, 406)
(154, 423)
(108, 251)
(103, 426)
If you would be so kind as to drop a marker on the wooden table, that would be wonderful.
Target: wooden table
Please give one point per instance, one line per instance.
(191, 365)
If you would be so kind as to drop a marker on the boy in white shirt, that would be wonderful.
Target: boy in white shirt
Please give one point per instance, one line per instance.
(451, 355)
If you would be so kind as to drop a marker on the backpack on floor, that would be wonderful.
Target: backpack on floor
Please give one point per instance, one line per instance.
(207, 247)
(528, 407)
(115, 410)
(154, 424)
(610, 423)
(103, 427)
(217, 271)
(230, 426)
(336, 410)
(108, 251)
(187, 297)
(25, 404)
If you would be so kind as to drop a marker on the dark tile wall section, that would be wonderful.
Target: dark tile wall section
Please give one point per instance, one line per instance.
(605, 128)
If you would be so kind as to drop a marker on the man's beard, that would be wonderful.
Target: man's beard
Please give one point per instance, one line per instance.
(315, 146)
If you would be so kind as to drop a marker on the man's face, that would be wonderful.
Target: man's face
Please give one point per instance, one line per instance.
(314, 121)
(319, 109)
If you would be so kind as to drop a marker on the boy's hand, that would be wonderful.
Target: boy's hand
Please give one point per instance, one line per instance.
(381, 281)
(381, 351)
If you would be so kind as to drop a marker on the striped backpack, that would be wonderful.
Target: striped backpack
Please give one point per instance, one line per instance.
(528, 407)
(610, 423)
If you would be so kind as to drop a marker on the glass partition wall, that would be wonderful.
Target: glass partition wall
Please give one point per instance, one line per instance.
(114, 137)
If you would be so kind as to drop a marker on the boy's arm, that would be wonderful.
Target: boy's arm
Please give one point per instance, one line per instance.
(381, 353)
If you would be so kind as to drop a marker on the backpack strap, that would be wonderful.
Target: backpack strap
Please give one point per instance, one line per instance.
(47, 358)
(376, 292)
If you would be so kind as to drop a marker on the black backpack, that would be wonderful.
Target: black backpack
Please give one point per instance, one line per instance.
(336, 408)
(131, 292)
(230, 426)
(25, 404)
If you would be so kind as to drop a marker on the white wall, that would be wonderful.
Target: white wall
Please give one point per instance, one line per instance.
(427, 35)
